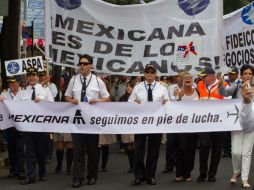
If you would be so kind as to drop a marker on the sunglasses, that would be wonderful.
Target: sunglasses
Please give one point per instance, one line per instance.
(150, 71)
(84, 63)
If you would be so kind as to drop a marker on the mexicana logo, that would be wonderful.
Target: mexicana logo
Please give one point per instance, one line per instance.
(13, 67)
(193, 7)
(68, 4)
(248, 14)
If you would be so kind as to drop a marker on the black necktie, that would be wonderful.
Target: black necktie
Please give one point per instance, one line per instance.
(83, 91)
(33, 94)
(149, 93)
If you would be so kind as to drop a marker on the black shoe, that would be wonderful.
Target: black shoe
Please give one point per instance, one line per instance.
(76, 184)
(130, 170)
(167, 170)
(151, 181)
(227, 155)
(27, 181)
(104, 170)
(11, 175)
(21, 177)
(211, 179)
(42, 178)
(91, 181)
(201, 179)
(137, 181)
(69, 172)
(58, 169)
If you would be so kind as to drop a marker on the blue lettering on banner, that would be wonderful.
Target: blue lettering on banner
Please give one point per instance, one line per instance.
(248, 14)
(68, 4)
(193, 7)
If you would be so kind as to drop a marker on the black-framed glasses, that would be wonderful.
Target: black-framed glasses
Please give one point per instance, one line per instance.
(84, 63)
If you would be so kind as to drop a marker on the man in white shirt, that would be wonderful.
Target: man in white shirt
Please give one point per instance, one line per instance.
(15, 138)
(35, 143)
(147, 91)
(85, 87)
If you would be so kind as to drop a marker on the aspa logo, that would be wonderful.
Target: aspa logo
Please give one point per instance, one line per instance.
(190, 48)
(193, 7)
(69, 4)
(248, 14)
(13, 67)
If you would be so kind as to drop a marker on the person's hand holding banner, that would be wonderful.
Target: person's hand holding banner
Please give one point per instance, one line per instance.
(247, 92)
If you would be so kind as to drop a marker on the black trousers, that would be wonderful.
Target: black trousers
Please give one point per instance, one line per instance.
(153, 149)
(16, 152)
(186, 147)
(36, 147)
(171, 151)
(227, 143)
(83, 143)
(210, 141)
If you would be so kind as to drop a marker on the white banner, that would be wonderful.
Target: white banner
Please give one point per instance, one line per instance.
(239, 37)
(20, 66)
(123, 39)
(121, 118)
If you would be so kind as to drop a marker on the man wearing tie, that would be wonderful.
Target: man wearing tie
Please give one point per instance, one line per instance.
(85, 87)
(35, 142)
(147, 91)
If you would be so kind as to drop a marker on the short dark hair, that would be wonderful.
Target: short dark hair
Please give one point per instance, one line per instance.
(86, 56)
(246, 67)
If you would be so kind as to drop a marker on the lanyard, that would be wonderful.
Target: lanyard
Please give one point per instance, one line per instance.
(88, 81)
(151, 85)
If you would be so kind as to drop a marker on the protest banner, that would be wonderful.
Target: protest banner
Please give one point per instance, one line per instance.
(123, 39)
(121, 118)
(239, 37)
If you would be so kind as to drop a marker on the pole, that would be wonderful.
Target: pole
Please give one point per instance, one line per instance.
(32, 38)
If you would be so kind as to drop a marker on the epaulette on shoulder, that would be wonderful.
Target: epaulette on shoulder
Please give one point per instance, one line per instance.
(164, 84)
(137, 83)
(4, 90)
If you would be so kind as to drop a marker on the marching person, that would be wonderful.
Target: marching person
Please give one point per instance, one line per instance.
(15, 138)
(233, 80)
(36, 143)
(208, 90)
(247, 120)
(85, 87)
(242, 141)
(147, 91)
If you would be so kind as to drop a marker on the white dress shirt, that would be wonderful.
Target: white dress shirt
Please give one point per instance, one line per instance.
(140, 92)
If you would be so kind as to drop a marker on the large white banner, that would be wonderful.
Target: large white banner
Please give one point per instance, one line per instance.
(239, 37)
(123, 39)
(121, 118)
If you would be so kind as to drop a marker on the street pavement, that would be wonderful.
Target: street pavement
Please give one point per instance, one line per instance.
(118, 178)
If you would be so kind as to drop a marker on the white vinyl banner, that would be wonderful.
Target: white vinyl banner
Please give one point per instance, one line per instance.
(20, 66)
(121, 118)
(239, 37)
(123, 39)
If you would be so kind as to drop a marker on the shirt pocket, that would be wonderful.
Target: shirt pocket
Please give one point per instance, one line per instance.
(93, 92)
(77, 95)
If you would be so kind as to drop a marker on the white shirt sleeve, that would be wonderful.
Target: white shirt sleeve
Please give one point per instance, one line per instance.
(53, 89)
(69, 90)
(247, 117)
(133, 95)
(102, 89)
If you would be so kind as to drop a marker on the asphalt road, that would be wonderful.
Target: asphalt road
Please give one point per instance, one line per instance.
(118, 178)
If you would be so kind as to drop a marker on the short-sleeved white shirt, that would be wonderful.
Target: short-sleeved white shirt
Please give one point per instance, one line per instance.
(8, 95)
(140, 92)
(42, 93)
(95, 87)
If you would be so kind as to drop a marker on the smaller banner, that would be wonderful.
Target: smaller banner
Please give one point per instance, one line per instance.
(20, 66)
(121, 118)
(239, 37)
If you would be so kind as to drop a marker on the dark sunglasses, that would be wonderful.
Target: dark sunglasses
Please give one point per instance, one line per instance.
(84, 63)
(150, 71)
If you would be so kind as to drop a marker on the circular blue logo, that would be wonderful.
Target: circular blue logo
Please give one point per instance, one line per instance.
(193, 7)
(68, 4)
(248, 14)
(13, 67)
